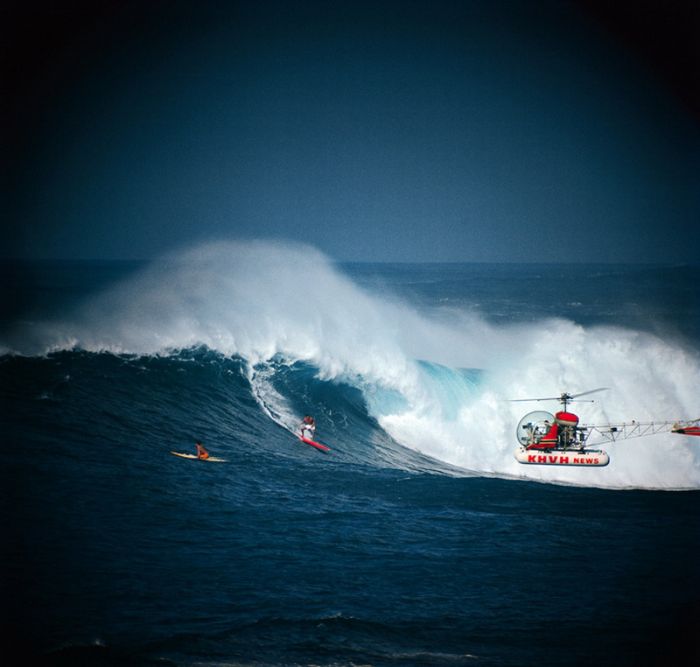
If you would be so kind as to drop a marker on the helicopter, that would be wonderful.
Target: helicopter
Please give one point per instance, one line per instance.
(559, 440)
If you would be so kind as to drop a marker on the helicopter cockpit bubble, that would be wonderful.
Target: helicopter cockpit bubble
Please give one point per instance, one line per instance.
(533, 426)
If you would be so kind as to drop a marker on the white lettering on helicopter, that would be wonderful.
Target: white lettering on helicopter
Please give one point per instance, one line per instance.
(555, 459)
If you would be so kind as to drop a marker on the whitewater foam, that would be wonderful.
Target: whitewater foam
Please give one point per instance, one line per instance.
(261, 300)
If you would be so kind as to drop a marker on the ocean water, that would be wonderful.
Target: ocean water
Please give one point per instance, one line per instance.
(418, 539)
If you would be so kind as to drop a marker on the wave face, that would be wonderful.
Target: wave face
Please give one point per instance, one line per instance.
(409, 367)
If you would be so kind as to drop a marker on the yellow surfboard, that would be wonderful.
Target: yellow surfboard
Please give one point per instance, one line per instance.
(213, 459)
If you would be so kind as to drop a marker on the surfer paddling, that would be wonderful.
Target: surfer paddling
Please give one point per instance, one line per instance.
(308, 427)
(201, 452)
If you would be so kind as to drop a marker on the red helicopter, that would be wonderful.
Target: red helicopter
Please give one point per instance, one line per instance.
(558, 440)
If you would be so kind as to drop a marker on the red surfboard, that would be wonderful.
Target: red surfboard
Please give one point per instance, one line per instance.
(318, 445)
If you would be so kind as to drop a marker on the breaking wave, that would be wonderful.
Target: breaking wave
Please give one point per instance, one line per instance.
(438, 381)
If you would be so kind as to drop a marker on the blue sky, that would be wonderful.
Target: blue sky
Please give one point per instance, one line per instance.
(377, 131)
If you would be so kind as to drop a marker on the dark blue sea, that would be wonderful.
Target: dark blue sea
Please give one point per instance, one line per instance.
(417, 539)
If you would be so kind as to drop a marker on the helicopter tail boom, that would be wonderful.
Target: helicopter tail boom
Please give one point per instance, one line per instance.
(614, 432)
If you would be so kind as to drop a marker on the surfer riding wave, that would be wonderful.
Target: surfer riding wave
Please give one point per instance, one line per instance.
(308, 427)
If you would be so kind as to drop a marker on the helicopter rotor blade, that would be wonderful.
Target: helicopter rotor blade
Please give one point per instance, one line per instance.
(521, 400)
(590, 391)
(562, 397)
